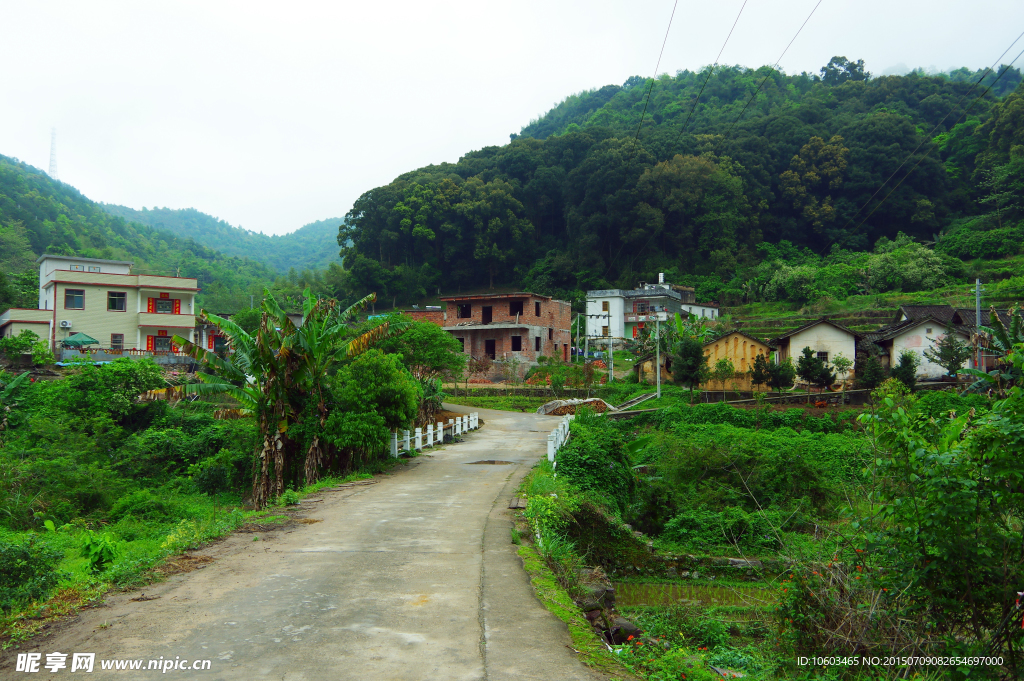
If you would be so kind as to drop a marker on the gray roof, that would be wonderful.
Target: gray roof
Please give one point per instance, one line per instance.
(44, 256)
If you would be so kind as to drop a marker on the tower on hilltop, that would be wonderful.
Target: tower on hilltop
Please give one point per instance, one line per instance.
(53, 154)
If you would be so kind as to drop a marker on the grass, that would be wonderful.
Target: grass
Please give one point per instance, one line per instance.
(143, 546)
(503, 403)
(585, 642)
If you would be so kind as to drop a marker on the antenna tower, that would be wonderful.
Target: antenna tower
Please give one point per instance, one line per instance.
(53, 154)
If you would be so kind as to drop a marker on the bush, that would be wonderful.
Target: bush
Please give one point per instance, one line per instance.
(28, 571)
(145, 505)
(703, 528)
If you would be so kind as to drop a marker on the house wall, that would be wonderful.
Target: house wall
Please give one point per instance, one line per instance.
(822, 338)
(15, 320)
(551, 327)
(741, 351)
(918, 339)
(434, 316)
(134, 323)
(596, 316)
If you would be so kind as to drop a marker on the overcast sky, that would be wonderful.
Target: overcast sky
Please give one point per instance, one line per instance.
(273, 115)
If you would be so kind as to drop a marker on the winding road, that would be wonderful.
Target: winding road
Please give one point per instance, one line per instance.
(414, 577)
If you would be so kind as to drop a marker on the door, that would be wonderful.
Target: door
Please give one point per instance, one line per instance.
(489, 344)
(486, 314)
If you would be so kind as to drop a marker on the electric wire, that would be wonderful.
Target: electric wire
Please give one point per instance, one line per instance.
(923, 141)
(710, 73)
(729, 131)
(654, 79)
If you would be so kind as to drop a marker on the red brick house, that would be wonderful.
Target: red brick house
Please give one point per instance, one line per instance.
(504, 325)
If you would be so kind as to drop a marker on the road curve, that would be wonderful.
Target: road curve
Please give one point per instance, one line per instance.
(414, 578)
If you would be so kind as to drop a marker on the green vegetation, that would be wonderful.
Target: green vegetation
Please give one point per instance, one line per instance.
(895, 506)
(774, 205)
(311, 247)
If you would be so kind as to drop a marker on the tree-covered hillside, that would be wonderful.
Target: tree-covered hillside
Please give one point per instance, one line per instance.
(717, 198)
(312, 246)
(39, 215)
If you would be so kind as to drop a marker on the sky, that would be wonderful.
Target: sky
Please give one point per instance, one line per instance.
(274, 115)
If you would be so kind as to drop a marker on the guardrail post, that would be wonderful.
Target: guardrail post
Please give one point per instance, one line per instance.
(440, 433)
(419, 439)
(551, 447)
(394, 445)
(405, 441)
(430, 434)
(465, 423)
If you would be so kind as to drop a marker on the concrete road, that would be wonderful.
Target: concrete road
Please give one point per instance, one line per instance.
(411, 578)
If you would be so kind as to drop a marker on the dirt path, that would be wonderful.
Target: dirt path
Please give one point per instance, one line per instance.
(414, 577)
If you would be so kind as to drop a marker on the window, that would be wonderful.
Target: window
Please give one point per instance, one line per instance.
(117, 341)
(515, 307)
(463, 311)
(604, 331)
(220, 344)
(928, 330)
(517, 343)
(162, 343)
(462, 344)
(536, 309)
(604, 306)
(551, 334)
(77, 268)
(117, 301)
(94, 268)
(536, 343)
(74, 299)
(823, 356)
(164, 306)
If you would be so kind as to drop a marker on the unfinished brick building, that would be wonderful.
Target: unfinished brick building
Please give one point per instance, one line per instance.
(504, 325)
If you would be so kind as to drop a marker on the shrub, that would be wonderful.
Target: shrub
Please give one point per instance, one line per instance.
(28, 571)
(145, 505)
(99, 550)
(703, 528)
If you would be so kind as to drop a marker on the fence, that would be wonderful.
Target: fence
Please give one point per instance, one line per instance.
(109, 355)
(417, 440)
(558, 437)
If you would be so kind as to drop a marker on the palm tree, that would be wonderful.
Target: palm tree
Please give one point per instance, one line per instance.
(273, 374)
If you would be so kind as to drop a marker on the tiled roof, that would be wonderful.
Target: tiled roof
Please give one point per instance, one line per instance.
(745, 335)
(941, 313)
(823, 320)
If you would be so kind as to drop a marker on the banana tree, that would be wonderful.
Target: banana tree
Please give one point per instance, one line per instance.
(278, 370)
(1003, 340)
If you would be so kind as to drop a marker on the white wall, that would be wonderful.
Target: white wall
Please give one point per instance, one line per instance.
(701, 311)
(616, 309)
(824, 338)
(917, 339)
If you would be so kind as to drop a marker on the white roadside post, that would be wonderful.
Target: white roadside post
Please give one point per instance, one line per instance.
(440, 433)
(551, 447)
(430, 434)
(394, 445)
(405, 441)
(419, 439)
(465, 423)
(451, 424)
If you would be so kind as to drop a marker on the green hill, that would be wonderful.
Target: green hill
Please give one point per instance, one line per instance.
(313, 246)
(770, 198)
(39, 215)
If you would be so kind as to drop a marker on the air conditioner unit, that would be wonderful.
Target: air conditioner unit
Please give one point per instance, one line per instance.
(65, 324)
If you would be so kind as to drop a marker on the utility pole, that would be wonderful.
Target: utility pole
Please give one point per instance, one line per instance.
(611, 348)
(977, 323)
(657, 352)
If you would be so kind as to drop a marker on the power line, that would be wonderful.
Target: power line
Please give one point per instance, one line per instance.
(717, 59)
(928, 138)
(928, 153)
(654, 79)
(773, 69)
(729, 131)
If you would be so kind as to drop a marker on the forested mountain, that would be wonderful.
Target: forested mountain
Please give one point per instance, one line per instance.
(312, 246)
(750, 198)
(39, 215)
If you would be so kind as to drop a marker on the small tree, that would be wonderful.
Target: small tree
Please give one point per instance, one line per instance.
(873, 373)
(810, 369)
(824, 379)
(949, 352)
(723, 371)
(906, 370)
(761, 372)
(781, 375)
(842, 364)
(689, 363)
